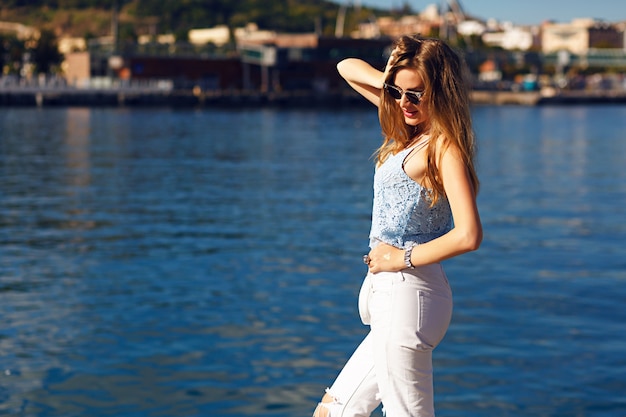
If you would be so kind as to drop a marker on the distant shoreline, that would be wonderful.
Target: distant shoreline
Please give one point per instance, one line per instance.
(16, 97)
(547, 97)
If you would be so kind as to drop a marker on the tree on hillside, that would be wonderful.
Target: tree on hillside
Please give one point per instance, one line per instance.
(11, 54)
(175, 15)
(179, 16)
(46, 54)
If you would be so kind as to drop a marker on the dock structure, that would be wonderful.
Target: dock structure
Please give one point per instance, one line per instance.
(146, 97)
(549, 96)
(526, 98)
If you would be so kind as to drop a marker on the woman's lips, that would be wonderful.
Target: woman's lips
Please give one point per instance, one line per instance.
(409, 114)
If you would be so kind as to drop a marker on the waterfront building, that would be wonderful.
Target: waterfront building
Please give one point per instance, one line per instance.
(277, 63)
(579, 36)
(471, 28)
(21, 32)
(394, 28)
(67, 45)
(219, 35)
(513, 38)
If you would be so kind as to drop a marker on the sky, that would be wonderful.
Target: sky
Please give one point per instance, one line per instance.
(524, 12)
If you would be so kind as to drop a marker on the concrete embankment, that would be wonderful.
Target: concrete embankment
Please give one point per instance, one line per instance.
(548, 96)
(93, 97)
(177, 98)
(529, 98)
(181, 98)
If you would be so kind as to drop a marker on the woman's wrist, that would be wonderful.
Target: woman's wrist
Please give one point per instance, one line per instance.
(407, 257)
(398, 260)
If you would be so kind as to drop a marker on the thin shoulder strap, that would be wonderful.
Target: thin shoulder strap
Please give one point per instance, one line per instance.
(415, 150)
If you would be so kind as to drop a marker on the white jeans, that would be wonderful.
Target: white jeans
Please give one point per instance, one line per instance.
(409, 312)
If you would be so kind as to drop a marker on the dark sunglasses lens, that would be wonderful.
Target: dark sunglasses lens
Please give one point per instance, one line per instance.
(393, 92)
(412, 97)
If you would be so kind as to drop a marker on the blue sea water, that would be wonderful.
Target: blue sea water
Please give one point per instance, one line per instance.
(205, 262)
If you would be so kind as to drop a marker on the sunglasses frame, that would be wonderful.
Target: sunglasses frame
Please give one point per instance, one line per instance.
(414, 97)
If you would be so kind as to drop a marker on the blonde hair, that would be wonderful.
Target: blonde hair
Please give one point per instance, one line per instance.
(446, 96)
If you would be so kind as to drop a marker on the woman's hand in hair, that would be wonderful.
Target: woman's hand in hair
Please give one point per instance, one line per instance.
(390, 62)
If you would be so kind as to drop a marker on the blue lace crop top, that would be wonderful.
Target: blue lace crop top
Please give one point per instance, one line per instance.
(401, 214)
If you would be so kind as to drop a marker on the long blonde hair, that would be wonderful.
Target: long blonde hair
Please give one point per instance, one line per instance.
(446, 96)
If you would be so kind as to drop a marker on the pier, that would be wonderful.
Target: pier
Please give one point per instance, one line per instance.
(137, 97)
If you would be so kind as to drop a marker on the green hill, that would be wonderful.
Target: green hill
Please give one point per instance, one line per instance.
(137, 17)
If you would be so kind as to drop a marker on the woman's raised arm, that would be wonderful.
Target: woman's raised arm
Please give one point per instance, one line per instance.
(363, 78)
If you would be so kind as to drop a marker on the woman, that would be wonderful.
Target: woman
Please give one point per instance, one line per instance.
(424, 211)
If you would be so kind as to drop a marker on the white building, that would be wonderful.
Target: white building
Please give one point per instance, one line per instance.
(219, 35)
(512, 38)
(251, 33)
(68, 45)
(572, 37)
(22, 32)
(471, 28)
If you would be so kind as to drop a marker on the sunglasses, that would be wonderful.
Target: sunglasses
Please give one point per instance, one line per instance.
(396, 93)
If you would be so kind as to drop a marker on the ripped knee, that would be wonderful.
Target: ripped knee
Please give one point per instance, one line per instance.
(325, 407)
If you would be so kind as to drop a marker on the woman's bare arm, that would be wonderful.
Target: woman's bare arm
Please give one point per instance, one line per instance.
(363, 78)
(466, 235)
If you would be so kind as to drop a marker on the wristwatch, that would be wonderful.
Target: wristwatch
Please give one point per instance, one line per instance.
(407, 257)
